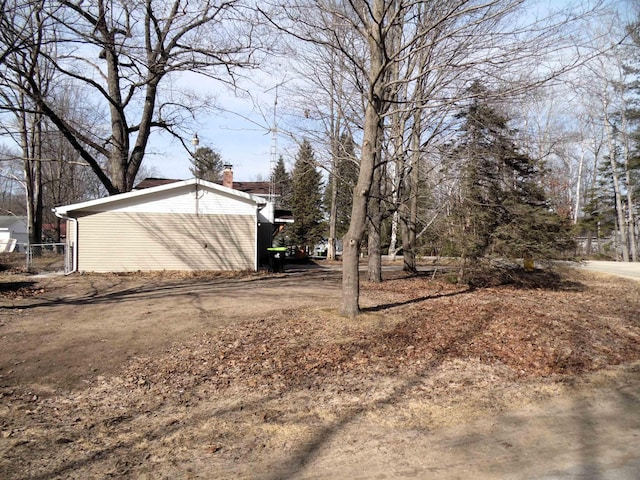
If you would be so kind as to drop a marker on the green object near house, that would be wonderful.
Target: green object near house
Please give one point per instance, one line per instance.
(276, 258)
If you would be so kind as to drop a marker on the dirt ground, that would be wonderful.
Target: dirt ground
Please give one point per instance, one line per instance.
(256, 376)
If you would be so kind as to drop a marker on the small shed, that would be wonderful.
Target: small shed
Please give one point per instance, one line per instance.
(14, 235)
(182, 225)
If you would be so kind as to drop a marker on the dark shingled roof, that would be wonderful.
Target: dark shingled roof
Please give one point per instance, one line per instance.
(7, 220)
(154, 182)
(254, 188)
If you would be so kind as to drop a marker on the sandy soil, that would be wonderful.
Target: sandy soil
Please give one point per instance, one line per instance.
(256, 376)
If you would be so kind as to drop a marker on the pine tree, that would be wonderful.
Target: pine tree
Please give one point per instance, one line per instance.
(503, 209)
(630, 167)
(206, 164)
(282, 184)
(306, 199)
(599, 218)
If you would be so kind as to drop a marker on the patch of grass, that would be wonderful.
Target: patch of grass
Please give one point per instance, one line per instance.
(16, 262)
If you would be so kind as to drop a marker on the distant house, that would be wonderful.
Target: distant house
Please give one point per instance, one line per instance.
(52, 232)
(14, 235)
(260, 189)
(170, 225)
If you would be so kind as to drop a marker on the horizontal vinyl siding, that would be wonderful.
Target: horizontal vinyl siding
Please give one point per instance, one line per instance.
(117, 241)
(190, 199)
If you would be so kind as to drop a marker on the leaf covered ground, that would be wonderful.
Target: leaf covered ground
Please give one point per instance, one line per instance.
(260, 397)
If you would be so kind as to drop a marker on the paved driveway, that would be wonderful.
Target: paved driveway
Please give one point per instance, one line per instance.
(622, 269)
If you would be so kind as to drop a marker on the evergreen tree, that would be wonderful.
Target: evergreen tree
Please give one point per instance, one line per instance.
(503, 209)
(630, 174)
(599, 217)
(306, 199)
(206, 164)
(282, 184)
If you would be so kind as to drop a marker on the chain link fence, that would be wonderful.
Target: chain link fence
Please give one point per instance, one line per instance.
(45, 256)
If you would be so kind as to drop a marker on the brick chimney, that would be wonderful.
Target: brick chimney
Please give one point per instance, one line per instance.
(227, 176)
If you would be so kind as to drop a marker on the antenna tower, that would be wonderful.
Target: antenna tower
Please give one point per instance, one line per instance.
(274, 150)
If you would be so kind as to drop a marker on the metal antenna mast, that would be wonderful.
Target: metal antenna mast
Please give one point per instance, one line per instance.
(274, 150)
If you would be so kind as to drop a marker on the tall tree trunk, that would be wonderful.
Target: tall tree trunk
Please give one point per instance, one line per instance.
(393, 236)
(631, 221)
(119, 156)
(620, 215)
(32, 153)
(374, 246)
(333, 207)
(333, 217)
(397, 179)
(633, 243)
(398, 119)
(576, 211)
(591, 188)
(372, 121)
(411, 214)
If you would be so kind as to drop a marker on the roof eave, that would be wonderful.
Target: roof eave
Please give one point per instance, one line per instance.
(64, 211)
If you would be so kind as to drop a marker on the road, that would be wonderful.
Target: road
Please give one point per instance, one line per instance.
(621, 269)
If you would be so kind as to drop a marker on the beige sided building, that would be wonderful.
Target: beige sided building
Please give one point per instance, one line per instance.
(184, 225)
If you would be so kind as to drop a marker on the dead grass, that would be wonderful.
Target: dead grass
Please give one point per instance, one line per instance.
(425, 354)
(16, 262)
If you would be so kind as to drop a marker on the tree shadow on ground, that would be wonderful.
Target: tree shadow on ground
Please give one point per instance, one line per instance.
(14, 287)
(491, 276)
(126, 452)
(518, 277)
(386, 306)
(159, 287)
(300, 458)
(478, 278)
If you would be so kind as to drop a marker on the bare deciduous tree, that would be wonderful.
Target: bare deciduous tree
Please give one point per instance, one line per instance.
(22, 73)
(121, 54)
(496, 41)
